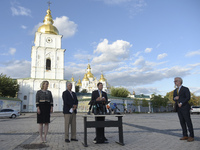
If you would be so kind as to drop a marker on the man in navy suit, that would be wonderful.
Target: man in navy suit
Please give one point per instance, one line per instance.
(99, 96)
(70, 103)
(181, 97)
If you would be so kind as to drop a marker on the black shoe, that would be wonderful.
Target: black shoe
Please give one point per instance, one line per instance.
(67, 140)
(106, 139)
(74, 140)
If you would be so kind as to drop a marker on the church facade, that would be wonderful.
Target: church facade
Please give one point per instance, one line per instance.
(89, 82)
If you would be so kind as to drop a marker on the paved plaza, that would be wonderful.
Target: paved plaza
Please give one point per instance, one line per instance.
(158, 131)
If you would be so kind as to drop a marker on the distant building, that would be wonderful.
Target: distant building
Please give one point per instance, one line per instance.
(89, 82)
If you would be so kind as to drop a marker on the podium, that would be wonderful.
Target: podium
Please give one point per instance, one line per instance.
(98, 124)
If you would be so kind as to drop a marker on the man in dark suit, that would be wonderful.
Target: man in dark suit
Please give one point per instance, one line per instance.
(70, 103)
(99, 96)
(181, 97)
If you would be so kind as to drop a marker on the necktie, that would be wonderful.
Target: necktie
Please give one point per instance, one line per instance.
(71, 95)
(100, 93)
(177, 91)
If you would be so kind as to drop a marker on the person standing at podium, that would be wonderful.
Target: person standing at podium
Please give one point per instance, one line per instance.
(99, 96)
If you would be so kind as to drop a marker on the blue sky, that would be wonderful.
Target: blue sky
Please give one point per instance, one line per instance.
(137, 44)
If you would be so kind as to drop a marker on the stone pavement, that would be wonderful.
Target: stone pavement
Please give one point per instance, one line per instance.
(158, 131)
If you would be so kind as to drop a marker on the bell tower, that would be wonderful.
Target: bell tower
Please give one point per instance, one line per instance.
(47, 55)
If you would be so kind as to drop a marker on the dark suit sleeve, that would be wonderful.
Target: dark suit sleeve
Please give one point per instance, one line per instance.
(105, 95)
(93, 98)
(75, 98)
(186, 97)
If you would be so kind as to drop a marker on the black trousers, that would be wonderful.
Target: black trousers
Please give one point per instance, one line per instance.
(100, 136)
(185, 120)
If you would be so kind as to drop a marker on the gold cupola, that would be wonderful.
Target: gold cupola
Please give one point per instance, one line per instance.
(102, 79)
(88, 67)
(79, 83)
(48, 27)
(89, 74)
(85, 78)
(72, 79)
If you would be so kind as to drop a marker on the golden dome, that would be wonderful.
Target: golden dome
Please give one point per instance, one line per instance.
(102, 79)
(48, 27)
(79, 83)
(90, 75)
(133, 92)
(85, 78)
(72, 79)
(88, 67)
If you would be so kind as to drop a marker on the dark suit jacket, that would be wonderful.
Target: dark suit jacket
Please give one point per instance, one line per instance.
(95, 95)
(184, 97)
(69, 101)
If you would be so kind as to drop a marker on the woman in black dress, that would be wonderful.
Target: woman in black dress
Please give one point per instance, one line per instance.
(44, 104)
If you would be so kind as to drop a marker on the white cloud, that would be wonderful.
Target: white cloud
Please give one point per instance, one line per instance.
(12, 51)
(161, 56)
(65, 27)
(192, 53)
(16, 68)
(20, 11)
(144, 90)
(194, 65)
(23, 26)
(148, 50)
(115, 52)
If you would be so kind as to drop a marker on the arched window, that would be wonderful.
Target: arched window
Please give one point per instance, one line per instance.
(48, 64)
(25, 97)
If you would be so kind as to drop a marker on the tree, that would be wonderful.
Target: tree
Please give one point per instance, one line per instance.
(157, 101)
(136, 102)
(169, 95)
(145, 103)
(119, 92)
(77, 88)
(8, 86)
(84, 91)
(194, 100)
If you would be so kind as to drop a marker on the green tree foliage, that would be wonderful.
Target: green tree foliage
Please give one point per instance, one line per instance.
(77, 88)
(119, 92)
(8, 86)
(157, 101)
(136, 102)
(169, 95)
(145, 103)
(84, 91)
(194, 100)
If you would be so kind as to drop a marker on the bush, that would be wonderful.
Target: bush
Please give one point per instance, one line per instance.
(119, 92)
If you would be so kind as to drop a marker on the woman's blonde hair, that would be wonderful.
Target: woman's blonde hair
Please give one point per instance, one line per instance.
(42, 84)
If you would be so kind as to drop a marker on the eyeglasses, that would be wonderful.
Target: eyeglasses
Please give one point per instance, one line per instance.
(175, 81)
